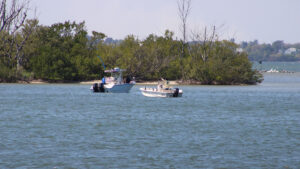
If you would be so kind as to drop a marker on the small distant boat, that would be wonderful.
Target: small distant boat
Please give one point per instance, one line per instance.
(114, 83)
(162, 90)
(272, 71)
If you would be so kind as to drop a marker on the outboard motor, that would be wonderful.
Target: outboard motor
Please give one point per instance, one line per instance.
(101, 88)
(95, 87)
(176, 92)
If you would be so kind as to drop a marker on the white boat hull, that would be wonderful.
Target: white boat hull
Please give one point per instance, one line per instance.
(118, 88)
(113, 88)
(151, 92)
(114, 83)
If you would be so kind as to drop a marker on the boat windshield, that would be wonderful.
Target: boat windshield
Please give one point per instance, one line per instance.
(116, 75)
(164, 84)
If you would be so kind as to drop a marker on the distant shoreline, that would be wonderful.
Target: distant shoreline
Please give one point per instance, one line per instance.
(171, 82)
(91, 82)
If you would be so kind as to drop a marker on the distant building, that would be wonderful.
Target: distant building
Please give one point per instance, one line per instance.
(290, 51)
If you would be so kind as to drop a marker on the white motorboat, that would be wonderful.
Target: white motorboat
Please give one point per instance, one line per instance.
(114, 83)
(162, 90)
(272, 71)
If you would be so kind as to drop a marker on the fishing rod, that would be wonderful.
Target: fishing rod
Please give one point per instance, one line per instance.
(102, 62)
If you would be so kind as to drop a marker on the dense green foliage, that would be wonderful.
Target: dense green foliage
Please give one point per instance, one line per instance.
(277, 51)
(64, 52)
(223, 66)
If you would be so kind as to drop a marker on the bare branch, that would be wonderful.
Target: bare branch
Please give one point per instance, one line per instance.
(203, 43)
(14, 17)
(184, 9)
(3, 15)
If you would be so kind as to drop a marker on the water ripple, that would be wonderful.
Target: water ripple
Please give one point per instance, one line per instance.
(66, 126)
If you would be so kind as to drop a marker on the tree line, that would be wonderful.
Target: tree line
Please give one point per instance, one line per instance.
(64, 52)
(276, 51)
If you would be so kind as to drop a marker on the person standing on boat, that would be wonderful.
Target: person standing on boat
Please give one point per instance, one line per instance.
(103, 80)
(128, 79)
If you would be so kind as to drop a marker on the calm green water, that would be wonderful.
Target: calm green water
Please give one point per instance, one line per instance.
(67, 126)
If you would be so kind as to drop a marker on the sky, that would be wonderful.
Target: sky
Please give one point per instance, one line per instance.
(243, 20)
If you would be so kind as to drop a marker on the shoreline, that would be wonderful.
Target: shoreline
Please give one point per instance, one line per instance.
(171, 82)
(91, 82)
(141, 83)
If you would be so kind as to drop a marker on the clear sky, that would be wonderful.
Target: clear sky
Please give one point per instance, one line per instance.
(264, 20)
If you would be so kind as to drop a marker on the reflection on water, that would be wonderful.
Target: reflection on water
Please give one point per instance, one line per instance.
(67, 126)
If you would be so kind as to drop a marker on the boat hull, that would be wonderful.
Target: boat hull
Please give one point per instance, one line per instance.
(114, 83)
(154, 93)
(112, 88)
(121, 88)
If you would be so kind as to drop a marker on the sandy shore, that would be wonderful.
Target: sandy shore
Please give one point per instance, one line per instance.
(90, 82)
(38, 82)
(97, 81)
(138, 83)
(155, 83)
